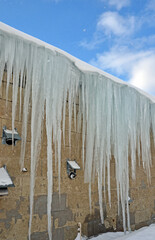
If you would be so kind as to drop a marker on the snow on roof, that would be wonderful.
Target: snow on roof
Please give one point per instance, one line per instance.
(73, 164)
(5, 179)
(83, 66)
(10, 131)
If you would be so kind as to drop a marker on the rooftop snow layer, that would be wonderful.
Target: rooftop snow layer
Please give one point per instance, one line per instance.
(5, 179)
(83, 66)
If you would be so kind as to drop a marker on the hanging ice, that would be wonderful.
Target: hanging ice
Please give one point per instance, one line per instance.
(116, 119)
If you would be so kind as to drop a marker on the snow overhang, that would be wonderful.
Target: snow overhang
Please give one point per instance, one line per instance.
(83, 66)
(5, 179)
(73, 164)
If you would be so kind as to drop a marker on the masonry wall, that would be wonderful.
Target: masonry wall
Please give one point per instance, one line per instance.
(73, 205)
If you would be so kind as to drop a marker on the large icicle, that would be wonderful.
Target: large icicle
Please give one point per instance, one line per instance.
(115, 118)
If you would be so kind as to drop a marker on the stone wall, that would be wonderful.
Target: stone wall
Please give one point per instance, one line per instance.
(72, 206)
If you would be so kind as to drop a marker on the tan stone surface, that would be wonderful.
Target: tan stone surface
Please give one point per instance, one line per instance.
(74, 207)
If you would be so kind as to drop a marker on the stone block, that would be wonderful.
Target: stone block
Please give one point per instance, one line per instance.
(40, 205)
(70, 233)
(40, 236)
(58, 234)
(142, 216)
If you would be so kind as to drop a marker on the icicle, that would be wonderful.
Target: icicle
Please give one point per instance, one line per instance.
(9, 63)
(49, 165)
(2, 57)
(90, 200)
(153, 121)
(36, 119)
(100, 195)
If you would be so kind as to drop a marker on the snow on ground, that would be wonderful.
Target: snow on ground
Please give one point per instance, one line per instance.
(145, 233)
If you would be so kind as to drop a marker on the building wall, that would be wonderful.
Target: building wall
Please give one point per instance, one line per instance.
(72, 206)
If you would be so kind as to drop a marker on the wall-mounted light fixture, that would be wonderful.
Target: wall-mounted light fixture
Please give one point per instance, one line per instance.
(129, 200)
(72, 166)
(7, 136)
(5, 181)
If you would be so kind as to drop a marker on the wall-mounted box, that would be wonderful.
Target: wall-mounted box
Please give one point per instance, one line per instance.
(5, 181)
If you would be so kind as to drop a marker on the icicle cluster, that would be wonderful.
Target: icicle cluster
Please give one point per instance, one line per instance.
(115, 119)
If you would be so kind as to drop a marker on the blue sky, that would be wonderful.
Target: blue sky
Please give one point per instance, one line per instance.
(117, 36)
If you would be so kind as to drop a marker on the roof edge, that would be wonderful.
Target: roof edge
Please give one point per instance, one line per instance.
(83, 66)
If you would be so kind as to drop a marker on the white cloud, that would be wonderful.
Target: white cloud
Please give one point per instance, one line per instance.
(119, 59)
(130, 43)
(118, 3)
(137, 66)
(151, 5)
(143, 74)
(111, 25)
(113, 22)
(92, 44)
